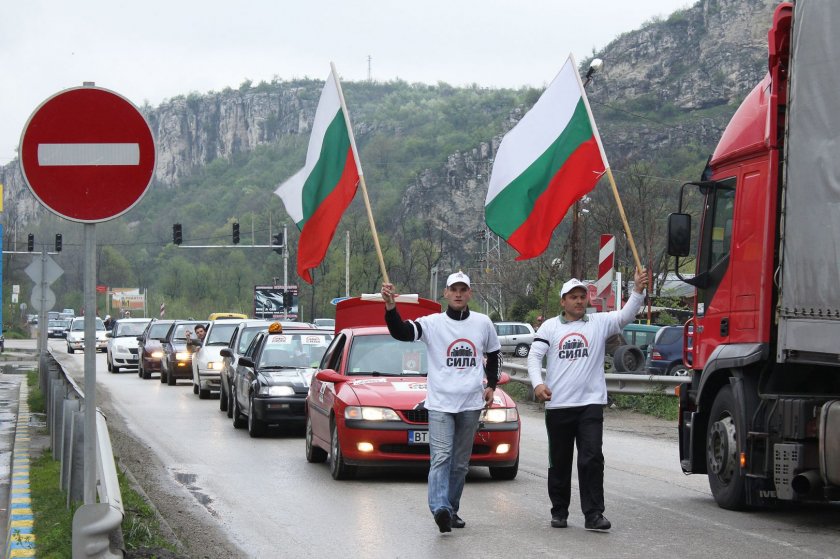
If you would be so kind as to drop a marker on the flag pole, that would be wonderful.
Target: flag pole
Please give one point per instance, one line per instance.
(361, 174)
(608, 171)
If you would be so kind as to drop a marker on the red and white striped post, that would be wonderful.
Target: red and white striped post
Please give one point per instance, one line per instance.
(162, 310)
(606, 270)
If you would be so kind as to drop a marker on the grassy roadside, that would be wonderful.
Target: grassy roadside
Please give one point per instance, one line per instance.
(655, 404)
(53, 525)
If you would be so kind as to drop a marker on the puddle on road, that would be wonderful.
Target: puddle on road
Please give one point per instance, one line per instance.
(188, 481)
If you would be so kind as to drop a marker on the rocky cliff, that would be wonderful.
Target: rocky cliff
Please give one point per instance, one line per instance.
(688, 71)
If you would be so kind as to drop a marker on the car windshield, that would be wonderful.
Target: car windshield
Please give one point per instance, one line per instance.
(55, 324)
(294, 349)
(133, 329)
(381, 354)
(247, 335)
(220, 333)
(159, 331)
(182, 329)
(79, 324)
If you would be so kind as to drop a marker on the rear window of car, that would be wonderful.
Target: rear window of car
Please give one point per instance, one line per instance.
(246, 336)
(670, 335)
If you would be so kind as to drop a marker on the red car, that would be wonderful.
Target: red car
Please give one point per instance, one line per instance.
(365, 403)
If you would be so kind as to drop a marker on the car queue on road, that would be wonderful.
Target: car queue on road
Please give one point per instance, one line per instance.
(355, 394)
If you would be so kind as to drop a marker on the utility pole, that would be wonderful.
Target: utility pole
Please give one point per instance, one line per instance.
(370, 75)
(285, 272)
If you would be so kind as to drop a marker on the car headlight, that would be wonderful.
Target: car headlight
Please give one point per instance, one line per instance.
(276, 391)
(182, 356)
(499, 415)
(214, 365)
(367, 413)
(157, 354)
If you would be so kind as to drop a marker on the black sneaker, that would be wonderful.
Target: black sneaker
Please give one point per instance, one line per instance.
(598, 522)
(457, 521)
(559, 522)
(443, 518)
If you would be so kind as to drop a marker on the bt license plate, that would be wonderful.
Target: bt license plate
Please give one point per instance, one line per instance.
(418, 437)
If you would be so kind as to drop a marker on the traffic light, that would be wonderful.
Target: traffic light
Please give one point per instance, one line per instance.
(277, 243)
(58, 242)
(236, 233)
(30, 242)
(176, 234)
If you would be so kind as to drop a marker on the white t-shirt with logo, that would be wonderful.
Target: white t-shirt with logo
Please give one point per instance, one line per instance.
(575, 364)
(456, 351)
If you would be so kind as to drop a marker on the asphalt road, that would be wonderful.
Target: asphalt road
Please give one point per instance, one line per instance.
(225, 494)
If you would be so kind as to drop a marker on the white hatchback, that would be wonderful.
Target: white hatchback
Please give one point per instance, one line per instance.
(122, 343)
(76, 335)
(206, 362)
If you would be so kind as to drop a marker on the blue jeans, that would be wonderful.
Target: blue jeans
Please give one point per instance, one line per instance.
(450, 440)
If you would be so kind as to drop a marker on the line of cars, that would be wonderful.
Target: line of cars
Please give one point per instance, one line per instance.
(357, 393)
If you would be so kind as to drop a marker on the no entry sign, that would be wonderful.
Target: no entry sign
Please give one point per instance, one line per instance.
(87, 154)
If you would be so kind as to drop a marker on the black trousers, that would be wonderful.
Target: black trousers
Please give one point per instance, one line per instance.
(566, 427)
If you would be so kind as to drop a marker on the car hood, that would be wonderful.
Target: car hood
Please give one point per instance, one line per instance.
(391, 392)
(295, 377)
(125, 342)
(404, 393)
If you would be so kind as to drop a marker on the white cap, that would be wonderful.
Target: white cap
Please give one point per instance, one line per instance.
(458, 277)
(571, 284)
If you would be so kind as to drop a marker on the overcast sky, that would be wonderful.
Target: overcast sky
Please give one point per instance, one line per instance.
(155, 49)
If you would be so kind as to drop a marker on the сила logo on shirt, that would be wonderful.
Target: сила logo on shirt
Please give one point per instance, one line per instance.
(461, 354)
(573, 346)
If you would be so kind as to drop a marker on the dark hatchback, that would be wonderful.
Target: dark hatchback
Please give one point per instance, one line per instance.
(149, 349)
(239, 342)
(177, 358)
(271, 380)
(666, 352)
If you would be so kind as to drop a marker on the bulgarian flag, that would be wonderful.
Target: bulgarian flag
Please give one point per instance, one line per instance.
(548, 161)
(316, 196)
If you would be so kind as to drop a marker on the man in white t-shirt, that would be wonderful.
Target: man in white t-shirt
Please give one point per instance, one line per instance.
(574, 392)
(457, 341)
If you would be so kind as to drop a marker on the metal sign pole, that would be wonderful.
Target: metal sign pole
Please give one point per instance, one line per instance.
(43, 321)
(89, 290)
(286, 273)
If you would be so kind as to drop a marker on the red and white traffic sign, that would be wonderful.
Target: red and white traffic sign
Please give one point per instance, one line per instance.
(87, 154)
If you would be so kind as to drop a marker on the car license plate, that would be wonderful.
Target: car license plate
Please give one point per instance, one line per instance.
(418, 437)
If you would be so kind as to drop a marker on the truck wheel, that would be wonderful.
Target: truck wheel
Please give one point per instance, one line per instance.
(628, 358)
(725, 479)
(522, 350)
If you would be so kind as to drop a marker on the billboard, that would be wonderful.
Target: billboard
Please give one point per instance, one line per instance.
(276, 302)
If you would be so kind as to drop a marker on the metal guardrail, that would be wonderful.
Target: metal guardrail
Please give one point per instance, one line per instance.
(93, 524)
(617, 383)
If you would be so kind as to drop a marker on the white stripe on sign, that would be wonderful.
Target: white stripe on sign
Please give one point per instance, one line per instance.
(54, 155)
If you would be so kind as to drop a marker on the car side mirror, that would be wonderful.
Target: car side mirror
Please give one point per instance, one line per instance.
(246, 362)
(226, 352)
(329, 375)
(109, 334)
(140, 339)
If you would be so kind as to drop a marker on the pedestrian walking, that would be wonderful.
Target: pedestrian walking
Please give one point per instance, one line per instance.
(575, 392)
(455, 394)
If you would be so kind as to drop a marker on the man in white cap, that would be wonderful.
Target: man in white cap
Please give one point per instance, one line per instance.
(575, 392)
(457, 341)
